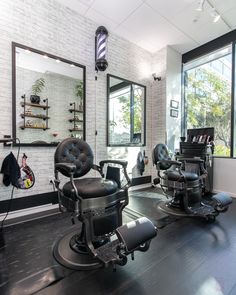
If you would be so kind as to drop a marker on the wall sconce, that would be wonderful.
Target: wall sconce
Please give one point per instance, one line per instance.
(155, 77)
(100, 49)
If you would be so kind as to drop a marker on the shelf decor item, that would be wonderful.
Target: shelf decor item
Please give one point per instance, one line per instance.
(37, 88)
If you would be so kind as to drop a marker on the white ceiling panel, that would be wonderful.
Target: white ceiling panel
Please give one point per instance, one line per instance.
(184, 44)
(118, 10)
(230, 16)
(101, 19)
(75, 5)
(136, 38)
(155, 29)
(127, 34)
(168, 8)
(87, 2)
(224, 5)
(154, 24)
(209, 31)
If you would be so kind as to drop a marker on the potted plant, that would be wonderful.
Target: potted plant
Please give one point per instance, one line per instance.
(37, 88)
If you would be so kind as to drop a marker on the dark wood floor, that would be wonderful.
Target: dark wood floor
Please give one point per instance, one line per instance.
(187, 257)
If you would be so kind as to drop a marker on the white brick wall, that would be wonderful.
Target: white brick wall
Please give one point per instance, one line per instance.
(48, 26)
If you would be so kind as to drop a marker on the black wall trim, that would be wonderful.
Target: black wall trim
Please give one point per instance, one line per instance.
(49, 198)
(141, 180)
(209, 46)
(28, 202)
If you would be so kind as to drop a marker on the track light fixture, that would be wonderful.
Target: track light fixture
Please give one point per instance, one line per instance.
(200, 5)
(213, 13)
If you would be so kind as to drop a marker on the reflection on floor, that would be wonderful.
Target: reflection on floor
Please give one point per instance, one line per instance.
(187, 257)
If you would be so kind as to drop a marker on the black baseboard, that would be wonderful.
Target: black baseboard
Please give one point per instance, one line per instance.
(141, 180)
(2, 240)
(28, 202)
(48, 198)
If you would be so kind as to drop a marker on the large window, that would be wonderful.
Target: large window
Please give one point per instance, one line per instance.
(207, 89)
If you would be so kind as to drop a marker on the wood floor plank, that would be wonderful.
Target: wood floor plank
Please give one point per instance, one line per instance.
(188, 257)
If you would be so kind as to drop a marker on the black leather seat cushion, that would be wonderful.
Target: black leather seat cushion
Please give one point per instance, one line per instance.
(90, 188)
(175, 176)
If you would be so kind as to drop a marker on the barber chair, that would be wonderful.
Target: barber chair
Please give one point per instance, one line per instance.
(100, 239)
(183, 183)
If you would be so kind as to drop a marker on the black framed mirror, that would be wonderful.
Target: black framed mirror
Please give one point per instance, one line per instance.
(48, 97)
(126, 112)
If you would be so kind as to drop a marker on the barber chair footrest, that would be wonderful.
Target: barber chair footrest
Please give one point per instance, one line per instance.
(135, 235)
(221, 201)
(107, 253)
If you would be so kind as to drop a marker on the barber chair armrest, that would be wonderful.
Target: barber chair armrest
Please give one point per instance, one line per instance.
(65, 167)
(121, 163)
(167, 164)
(173, 162)
(99, 169)
(191, 160)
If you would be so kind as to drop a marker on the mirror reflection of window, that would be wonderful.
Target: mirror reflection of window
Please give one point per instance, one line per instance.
(48, 98)
(126, 118)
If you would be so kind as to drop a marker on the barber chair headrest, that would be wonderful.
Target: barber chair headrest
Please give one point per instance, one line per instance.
(160, 154)
(75, 151)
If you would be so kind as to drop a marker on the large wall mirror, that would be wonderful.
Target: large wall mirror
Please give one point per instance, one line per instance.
(126, 112)
(48, 97)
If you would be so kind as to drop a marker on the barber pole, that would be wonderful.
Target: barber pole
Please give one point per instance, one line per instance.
(101, 40)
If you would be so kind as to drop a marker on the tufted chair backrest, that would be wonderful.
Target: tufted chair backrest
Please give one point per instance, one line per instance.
(160, 153)
(75, 151)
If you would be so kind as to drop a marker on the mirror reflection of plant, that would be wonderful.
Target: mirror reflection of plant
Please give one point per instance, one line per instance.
(38, 86)
(79, 89)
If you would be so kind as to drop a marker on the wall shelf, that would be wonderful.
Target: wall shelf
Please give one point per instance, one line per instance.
(34, 116)
(32, 127)
(75, 129)
(75, 111)
(27, 114)
(35, 105)
(75, 120)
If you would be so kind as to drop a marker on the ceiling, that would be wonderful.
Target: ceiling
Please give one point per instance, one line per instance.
(154, 24)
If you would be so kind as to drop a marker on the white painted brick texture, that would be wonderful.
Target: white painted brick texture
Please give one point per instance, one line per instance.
(48, 26)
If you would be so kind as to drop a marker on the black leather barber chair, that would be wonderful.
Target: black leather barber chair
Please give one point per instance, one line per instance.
(97, 202)
(183, 183)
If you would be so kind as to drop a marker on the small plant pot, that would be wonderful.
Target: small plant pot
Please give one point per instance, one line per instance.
(35, 99)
